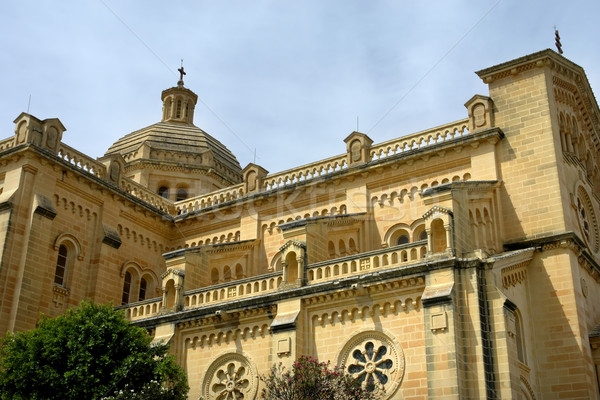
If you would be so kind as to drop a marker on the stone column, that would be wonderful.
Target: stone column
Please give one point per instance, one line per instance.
(285, 271)
(429, 241)
(300, 261)
(448, 230)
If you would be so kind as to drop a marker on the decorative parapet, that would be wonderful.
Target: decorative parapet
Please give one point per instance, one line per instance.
(46, 134)
(481, 113)
(142, 310)
(420, 140)
(7, 143)
(143, 193)
(260, 182)
(253, 177)
(305, 172)
(81, 161)
(374, 261)
(115, 165)
(210, 199)
(358, 147)
(243, 288)
(366, 262)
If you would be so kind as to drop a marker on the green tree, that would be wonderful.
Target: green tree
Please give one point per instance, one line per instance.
(309, 379)
(89, 352)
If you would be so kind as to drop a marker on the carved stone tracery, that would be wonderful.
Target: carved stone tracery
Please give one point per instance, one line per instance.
(230, 377)
(375, 360)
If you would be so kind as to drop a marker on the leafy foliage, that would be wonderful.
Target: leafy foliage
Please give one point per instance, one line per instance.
(309, 379)
(89, 352)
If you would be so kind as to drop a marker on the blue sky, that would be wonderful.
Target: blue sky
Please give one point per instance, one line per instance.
(288, 79)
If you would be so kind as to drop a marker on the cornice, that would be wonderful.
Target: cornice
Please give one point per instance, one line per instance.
(565, 240)
(19, 150)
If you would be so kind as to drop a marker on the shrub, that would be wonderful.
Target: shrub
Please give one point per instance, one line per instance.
(309, 379)
(89, 352)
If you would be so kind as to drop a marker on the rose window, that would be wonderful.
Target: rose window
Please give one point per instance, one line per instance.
(230, 377)
(231, 382)
(375, 361)
(587, 219)
(585, 225)
(371, 366)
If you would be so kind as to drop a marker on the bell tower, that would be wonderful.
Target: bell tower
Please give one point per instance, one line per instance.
(179, 103)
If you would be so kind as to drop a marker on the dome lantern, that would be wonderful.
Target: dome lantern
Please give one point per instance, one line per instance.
(179, 103)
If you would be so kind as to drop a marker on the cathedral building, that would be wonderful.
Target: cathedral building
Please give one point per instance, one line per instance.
(462, 261)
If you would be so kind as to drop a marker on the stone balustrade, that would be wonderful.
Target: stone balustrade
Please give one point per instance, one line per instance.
(142, 193)
(405, 254)
(81, 161)
(329, 270)
(210, 199)
(142, 309)
(421, 139)
(316, 169)
(305, 172)
(7, 143)
(233, 290)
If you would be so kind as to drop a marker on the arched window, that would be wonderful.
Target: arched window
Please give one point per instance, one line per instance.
(61, 266)
(403, 239)
(163, 191)
(239, 271)
(214, 276)
(331, 249)
(178, 110)
(520, 338)
(342, 248)
(143, 287)
(126, 288)
(181, 194)
(276, 262)
(423, 235)
(399, 236)
(227, 274)
(352, 246)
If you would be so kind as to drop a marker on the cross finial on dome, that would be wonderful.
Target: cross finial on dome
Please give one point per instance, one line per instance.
(181, 74)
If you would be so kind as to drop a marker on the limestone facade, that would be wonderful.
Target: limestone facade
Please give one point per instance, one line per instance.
(457, 262)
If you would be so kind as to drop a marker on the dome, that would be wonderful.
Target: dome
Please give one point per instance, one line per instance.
(176, 152)
(182, 144)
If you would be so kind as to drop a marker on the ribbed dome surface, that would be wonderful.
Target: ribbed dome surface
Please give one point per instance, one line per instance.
(175, 138)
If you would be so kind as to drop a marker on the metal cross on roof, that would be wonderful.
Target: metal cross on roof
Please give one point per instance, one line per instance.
(181, 71)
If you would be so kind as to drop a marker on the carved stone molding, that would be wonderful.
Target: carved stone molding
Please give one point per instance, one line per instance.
(383, 308)
(515, 274)
(59, 295)
(226, 336)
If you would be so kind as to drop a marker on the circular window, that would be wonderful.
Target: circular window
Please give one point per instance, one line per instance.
(587, 219)
(375, 360)
(232, 376)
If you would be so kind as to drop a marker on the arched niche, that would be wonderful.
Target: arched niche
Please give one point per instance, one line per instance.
(172, 288)
(293, 254)
(439, 228)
